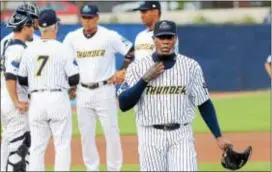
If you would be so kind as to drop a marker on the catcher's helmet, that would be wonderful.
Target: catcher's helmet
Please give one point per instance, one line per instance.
(31, 9)
(18, 21)
(233, 160)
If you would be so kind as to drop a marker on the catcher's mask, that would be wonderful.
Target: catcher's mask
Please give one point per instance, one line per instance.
(233, 160)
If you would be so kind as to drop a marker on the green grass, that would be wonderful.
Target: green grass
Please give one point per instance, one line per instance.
(243, 113)
(250, 166)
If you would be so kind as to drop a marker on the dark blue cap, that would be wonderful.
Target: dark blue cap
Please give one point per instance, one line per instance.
(148, 5)
(89, 10)
(47, 18)
(165, 27)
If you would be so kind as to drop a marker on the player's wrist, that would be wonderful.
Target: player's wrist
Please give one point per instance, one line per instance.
(145, 79)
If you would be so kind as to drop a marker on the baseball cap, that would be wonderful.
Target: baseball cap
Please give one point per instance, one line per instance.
(47, 18)
(165, 27)
(148, 5)
(89, 10)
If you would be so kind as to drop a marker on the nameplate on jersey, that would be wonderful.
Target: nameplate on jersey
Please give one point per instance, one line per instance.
(91, 54)
(162, 90)
(145, 46)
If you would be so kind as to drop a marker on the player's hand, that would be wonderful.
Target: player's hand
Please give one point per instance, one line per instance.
(22, 106)
(223, 143)
(120, 76)
(153, 71)
(112, 80)
(72, 93)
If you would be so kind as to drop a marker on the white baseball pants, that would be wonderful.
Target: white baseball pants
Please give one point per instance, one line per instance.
(14, 124)
(50, 113)
(161, 150)
(99, 102)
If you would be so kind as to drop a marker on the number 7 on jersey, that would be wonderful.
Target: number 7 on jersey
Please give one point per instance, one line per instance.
(44, 60)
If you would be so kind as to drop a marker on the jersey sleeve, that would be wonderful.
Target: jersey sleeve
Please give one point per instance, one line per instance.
(119, 43)
(130, 79)
(268, 60)
(199, 91)
(68, 41)
(71, 66)
(177, 46)
(13, 60)
(23, 65)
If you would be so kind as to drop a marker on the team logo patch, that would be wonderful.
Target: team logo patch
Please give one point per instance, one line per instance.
(122, 88)
(204, 85)
(75, 62)
(86, 9)
(15, 63)
(164, 25)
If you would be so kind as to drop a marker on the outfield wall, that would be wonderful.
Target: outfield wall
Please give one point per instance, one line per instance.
(232, 56)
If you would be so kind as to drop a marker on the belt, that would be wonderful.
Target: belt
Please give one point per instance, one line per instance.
(43, 90)
(94, 85)
(168, 127)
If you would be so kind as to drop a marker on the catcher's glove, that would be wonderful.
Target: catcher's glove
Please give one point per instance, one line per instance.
(233, 160)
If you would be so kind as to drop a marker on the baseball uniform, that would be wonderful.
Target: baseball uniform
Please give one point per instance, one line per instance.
(165, 106)
(48, 68)
(169, 99)
(47, 64)
(14, 124)
(95, 97)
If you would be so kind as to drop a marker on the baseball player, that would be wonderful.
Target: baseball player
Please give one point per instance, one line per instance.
(95, 47)
(33, 11)
(49, 69)
(165, 88)
(14, 100)
(150, 14)
(267, 66)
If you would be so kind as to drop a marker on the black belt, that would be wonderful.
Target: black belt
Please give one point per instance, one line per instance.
(94, 85)
(168, 127)
(43, 90)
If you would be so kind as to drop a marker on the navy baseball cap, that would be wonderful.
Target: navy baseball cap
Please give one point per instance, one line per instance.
(148, 5)
(165, 27)
(47, 18)
(89, 11)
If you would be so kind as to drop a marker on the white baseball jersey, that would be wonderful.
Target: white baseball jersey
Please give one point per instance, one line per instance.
(14, 124)
(268, 60)
(144, 44)
(9, 36)
(96, 55)
(11, 60)
(172, 96)
(48, 64)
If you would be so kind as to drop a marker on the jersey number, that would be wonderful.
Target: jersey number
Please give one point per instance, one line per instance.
(44, 60)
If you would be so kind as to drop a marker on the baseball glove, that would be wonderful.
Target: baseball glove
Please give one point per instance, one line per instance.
(233, 160)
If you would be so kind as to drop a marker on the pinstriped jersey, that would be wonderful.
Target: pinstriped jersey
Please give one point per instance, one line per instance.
(96, 55)
(172, 96)
(144, 45)
(11, 60)
(48, 64)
